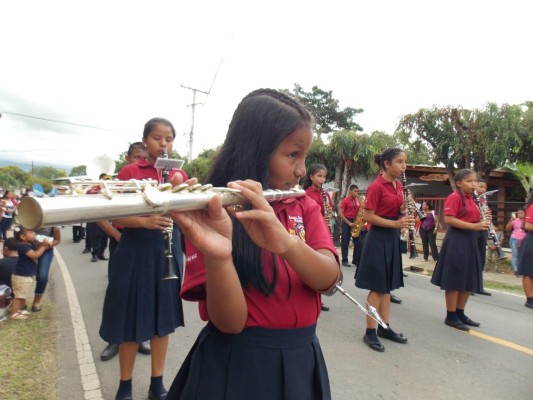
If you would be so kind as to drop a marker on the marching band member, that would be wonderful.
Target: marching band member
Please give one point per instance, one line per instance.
(458, 269)
(312, 184)
(380, 269)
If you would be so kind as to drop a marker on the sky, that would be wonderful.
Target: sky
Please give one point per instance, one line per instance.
(111, 66)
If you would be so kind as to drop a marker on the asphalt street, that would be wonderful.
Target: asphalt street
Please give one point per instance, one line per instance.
(493, 361)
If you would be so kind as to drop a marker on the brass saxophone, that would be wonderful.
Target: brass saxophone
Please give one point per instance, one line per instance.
(358, 223)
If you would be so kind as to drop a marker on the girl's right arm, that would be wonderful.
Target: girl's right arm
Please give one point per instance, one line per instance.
(210, 231)
(460, 224)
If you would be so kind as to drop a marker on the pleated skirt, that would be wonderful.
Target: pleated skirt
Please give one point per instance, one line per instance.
(459, 266)
(380, 268)
(525, 256)
(138, 303)
(257, 364)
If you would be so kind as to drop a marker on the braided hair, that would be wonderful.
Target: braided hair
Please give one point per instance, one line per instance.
(459, 176)
(262, 120)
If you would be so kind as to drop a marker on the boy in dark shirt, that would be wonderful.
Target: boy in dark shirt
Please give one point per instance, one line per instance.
(23, 278)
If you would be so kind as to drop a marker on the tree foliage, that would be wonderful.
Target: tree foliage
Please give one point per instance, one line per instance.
(329, 117)
(13, 178)
(483, 139)
(78, 170)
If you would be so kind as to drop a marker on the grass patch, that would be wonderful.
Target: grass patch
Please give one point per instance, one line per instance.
(504, 287)
(28, 355)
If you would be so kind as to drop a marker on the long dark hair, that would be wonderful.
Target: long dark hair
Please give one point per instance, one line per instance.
(313, 169)
(459, 176)
(262, 120)
(387, 155)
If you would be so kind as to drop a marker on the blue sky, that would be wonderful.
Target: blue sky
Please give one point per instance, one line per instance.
(114, 65)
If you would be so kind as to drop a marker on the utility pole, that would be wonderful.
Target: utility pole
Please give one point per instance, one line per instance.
(193, 106)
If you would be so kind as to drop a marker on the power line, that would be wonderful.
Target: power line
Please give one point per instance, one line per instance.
(55, 120)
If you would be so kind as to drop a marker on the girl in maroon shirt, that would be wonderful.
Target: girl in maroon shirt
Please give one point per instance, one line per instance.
(459, 268)
(139, 305)
(380, 269)
(258, 271)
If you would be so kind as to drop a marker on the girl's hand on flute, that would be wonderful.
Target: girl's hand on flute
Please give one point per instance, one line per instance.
(260, 222)
(210, 230)
(157, 222)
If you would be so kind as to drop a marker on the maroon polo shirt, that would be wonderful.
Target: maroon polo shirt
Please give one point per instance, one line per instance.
(350, 206)
(383, 198)
(144, 170)
(316, 195)
(453, 207)
(300, 216)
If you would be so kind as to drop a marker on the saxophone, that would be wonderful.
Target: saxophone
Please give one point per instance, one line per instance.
(358, 223)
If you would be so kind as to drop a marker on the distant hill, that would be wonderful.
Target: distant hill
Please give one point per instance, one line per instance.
(26, 166)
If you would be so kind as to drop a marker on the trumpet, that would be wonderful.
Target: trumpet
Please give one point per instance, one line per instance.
(119, 199)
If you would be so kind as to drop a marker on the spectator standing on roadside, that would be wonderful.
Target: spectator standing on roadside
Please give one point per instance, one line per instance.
(516, 225)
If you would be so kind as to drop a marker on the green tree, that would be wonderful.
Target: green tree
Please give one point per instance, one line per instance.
(12, 177)
(438, 128)
(78, 170)
(201, 165)
(524, 173)
(48, 173)
(329, 117)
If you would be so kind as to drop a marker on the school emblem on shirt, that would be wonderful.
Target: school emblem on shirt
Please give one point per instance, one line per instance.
(296, 226)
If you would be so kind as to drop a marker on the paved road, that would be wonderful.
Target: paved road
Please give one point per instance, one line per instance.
(493, 362)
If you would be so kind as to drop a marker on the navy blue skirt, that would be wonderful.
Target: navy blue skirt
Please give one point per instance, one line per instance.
(525, 256)
(257, 364)
(459, 266)
(380, 269)
(138, 303)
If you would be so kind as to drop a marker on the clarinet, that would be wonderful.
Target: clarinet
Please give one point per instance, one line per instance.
(407, 199)
(492, 233)
(328, 212)
(167, 235)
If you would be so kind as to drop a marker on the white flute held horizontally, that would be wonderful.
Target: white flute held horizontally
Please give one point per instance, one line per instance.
(119, 199)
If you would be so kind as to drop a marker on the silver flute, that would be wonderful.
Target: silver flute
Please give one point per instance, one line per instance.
(119, 199)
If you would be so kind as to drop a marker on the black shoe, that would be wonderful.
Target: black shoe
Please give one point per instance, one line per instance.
(485, 293)
(528, 305)
(394, 299)
(457, 325)
(109, 352)
(345, 264)
(391, 335)
(102, 257)
(85, 251)
(144, 348)
(325, 307)
(467, 321)
(377, 346)
(152, 396)
(94, 259)
(124, 397)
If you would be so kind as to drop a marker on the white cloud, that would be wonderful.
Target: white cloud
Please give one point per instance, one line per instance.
(117, 64)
